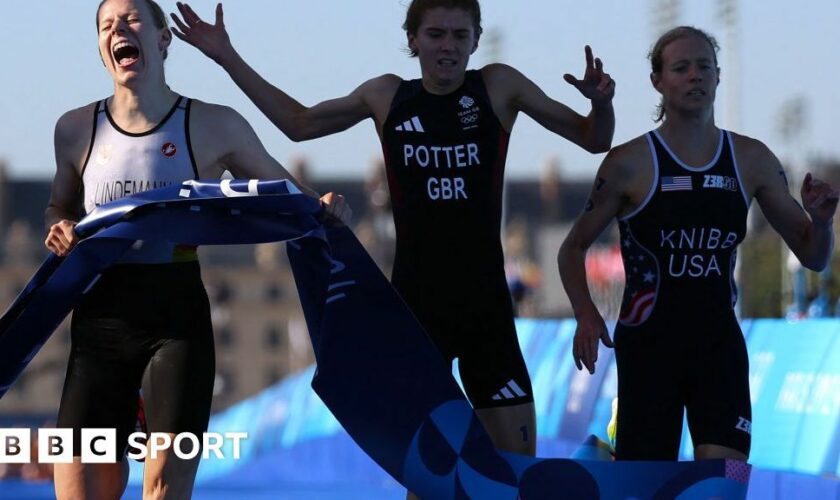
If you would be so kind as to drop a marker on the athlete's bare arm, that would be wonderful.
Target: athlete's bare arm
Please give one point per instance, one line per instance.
(806, 228)
(223, 140)
(512, 92)
(620, 185)
(298, 122)
(72, 140)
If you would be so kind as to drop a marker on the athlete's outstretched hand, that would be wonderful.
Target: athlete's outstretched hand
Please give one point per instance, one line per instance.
(590, 329)
(596, 85)
(819, 199)
(336, 209)
(62, 237)
(210, 39)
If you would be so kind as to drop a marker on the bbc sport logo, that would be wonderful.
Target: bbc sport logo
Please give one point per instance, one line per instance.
(100, 445)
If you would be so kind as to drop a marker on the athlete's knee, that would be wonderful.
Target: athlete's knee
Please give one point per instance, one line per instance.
(511, 428)
(69, 484)
(169, 477)
(79, 481)
(159, 487)
(156, 489)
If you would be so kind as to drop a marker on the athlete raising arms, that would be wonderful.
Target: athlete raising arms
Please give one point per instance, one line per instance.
(146, 322)
(444, 138)
(681, 195)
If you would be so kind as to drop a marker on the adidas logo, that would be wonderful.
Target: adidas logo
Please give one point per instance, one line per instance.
(510, 391)
(412, 125)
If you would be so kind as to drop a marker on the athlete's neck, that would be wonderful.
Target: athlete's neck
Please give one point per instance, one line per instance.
(140, 109)
(693, 139)
(438, 87)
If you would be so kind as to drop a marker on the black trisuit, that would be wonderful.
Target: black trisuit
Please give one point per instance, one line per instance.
(445, 158)
(146, 321)
(678, 343)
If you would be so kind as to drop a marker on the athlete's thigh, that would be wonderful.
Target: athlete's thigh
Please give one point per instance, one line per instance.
(650, 398)
(178, 385)
(719, 408)
(491, 365)
(103, 377)
(178, 381)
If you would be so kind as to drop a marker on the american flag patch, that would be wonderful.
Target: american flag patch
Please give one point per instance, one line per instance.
(678, 183)
(638, 309)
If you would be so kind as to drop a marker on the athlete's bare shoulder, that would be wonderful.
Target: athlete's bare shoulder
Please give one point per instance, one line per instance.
(73, 132)
(629, 167)
(495, 71)
(757, 165)
(502, 80)
(215, 132)
(388, 81)
(630, 158)
(378, 93)
(749, 150)
(72, 122)
(505, 87)
(208, 110)
(215, 121)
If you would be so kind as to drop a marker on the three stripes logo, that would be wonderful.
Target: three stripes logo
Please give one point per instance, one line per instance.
(511, 390)
(412, 125)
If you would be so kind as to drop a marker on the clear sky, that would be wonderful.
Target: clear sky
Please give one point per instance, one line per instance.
(318, 49)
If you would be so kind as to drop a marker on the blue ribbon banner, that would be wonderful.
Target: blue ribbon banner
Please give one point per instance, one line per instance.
(377, 371)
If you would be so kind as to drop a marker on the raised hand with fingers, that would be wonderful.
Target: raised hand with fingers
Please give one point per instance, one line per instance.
(819, 199)
(596, 85)
(211, 39)
(590, 329)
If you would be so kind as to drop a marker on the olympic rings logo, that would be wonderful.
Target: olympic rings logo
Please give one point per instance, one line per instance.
(466, 120)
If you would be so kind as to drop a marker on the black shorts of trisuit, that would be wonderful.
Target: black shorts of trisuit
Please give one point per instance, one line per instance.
(484, 340)
(140, 326)
(660, 374)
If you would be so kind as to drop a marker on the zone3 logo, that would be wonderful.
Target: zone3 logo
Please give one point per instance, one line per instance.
(720, 182)
(744, 425)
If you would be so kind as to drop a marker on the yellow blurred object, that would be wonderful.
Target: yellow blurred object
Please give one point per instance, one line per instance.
(611, 427)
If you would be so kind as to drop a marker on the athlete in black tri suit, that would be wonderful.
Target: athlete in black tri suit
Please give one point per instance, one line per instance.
(146, 321)
(681, 194)
(445, 158)
(445, 139)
